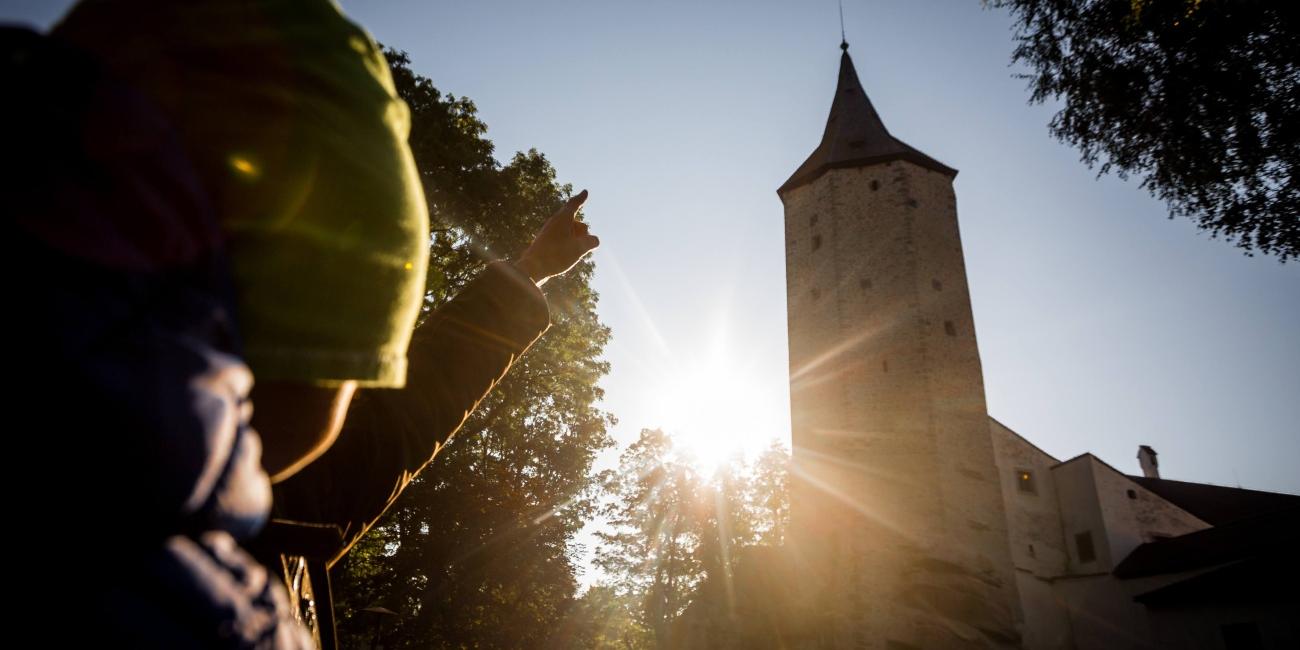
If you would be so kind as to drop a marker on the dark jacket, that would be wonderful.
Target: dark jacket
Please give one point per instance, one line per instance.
(455, 359)
(136, 473)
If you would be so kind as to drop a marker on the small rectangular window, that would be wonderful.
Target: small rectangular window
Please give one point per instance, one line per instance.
(817, 242)
(1025, 481)
(949, 328)
(1083, 543)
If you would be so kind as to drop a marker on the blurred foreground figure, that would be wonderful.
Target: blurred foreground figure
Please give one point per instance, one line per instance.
(201, 194)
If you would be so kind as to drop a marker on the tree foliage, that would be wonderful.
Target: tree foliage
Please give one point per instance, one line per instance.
(1199, 98)
(672, 527)
(770, 495)
(602, 619)
(479, 551)
(650, 553)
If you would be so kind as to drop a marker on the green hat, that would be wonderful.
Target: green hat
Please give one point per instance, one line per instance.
(291, 118)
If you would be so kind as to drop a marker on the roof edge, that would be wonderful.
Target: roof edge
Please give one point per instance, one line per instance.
(1024, 439)
(1136, 477)
(917, 158)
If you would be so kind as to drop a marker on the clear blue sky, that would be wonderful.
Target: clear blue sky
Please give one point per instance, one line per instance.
(1102, 325)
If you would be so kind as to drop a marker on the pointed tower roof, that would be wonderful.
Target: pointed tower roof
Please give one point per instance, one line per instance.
(855, 136)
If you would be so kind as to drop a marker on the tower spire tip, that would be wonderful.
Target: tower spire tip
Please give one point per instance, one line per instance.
(844, 41)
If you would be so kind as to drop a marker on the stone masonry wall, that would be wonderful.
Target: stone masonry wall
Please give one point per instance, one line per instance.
(897, 498)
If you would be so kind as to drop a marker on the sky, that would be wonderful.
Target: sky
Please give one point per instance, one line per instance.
(1102, 324)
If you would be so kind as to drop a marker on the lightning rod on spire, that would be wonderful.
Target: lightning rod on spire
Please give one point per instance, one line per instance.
(844, 42)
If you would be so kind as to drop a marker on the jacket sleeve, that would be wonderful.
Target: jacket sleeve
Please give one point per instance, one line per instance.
(455, 359)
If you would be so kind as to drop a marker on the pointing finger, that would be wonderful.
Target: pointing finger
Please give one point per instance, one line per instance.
(571, 207)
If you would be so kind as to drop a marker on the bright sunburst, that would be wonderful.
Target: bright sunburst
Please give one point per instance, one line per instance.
(715, 410)
(715, 397)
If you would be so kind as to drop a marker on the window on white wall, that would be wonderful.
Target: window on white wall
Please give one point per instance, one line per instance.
(1025, 482)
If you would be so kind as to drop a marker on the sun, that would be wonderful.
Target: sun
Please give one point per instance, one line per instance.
(715, 410)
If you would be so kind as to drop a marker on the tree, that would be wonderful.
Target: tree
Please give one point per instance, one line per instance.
(672, 529)
(479, 550)
(602, 620)
(650, 552)
(770, 495)
(1199, 98)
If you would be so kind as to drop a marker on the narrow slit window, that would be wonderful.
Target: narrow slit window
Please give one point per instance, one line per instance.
(817, 242)
(949, 328)
(1083, 545)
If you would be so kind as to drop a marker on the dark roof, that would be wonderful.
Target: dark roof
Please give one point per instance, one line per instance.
(1260, 536)
(1256, 581)
(855, 136)
(1215, 504)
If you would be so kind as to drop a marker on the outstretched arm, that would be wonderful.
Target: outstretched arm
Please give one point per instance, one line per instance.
(456, 358)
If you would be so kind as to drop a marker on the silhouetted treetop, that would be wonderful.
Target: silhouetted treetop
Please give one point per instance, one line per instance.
(1198, 98)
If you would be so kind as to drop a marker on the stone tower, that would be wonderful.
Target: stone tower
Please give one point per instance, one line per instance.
(898, 518)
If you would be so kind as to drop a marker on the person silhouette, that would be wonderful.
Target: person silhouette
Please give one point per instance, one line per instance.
(230, 234)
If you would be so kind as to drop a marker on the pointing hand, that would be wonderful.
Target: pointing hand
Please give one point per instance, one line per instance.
(562, 241)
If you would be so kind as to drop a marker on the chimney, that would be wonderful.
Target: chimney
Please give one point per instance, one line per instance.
(1147, 459)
